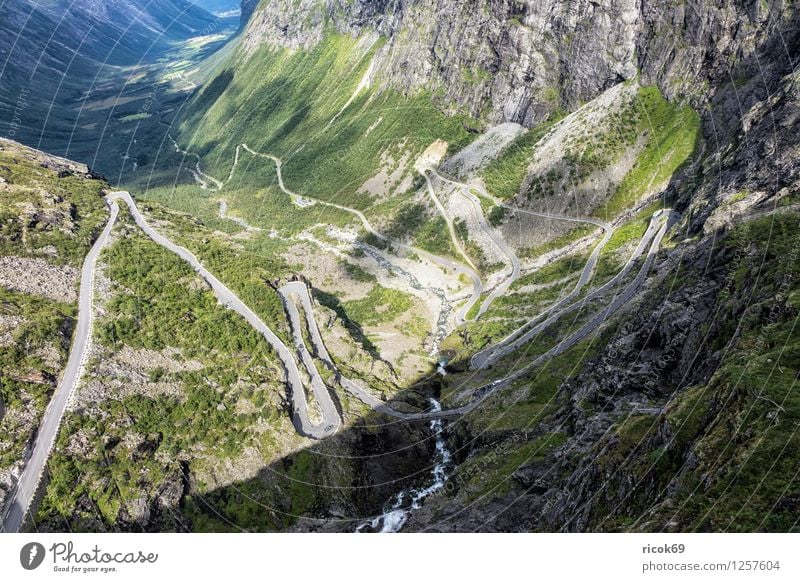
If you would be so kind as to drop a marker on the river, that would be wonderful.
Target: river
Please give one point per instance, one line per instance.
(397, 510)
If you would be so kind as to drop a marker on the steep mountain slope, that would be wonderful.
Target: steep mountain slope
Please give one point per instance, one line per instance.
(521, 60)
(566, 420)
(50, 210)
(681, 413)
(371, 149)
(67, 65)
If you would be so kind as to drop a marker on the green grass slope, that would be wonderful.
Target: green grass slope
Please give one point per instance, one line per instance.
(49, 214)
(291, 104)
(227, 401)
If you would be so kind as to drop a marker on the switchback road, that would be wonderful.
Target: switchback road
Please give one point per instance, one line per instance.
(34, 468)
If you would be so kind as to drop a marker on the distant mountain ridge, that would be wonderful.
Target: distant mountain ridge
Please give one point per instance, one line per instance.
(57, 52)
(219, 6)
(111, 31)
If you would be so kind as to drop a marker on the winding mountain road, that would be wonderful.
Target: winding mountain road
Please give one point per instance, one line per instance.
(304, 201)
(31, 476)
(498, 240)
(659, 223)
(658, 228)
(199, 175)
(588, 270)
(45, 438)
(330, 422)
(583, 279)
(468, 272)
(317, 383)
(495, 237)
(43, 444)
(297, 292)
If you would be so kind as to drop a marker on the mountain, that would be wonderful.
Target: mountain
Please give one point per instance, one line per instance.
(549, 255)
(66, 64)
(517, 61)
(631, 430)
(114, 32)
(219, 6)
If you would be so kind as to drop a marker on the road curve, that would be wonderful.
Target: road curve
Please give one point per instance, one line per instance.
(496, 238)
(670, 218)
(483, 392)
(449, 221)
(299, 290)
(330, 421)
(516, 267)
(31, 475)
(472, 276)
(199, 175)
(318, 386)
(45, 438)
(520, 336)
(660, 223)
(588, 269)
(202, 178)
(583, 279)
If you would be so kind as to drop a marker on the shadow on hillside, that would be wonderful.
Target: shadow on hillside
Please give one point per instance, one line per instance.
(354, 329)
(333, 485)
(211, 92)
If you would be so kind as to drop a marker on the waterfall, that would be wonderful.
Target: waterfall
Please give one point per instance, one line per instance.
(399, 507)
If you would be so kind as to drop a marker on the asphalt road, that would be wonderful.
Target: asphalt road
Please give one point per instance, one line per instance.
(496, 238)
(330, 422)
(514, 261)
(516, 339)
(587, 272)
(583, 279)
(45, 437)
(330, 415)
(520, 336)
(31, 475)
(303, 201)
(658, 228)
(449, 221)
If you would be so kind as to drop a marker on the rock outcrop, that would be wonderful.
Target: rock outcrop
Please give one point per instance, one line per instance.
(516, 61)
(666, 423)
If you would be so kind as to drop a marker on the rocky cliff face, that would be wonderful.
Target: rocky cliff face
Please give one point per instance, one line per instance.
(682, 419)
(683, 414)
(520, 61)
(655, 430)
